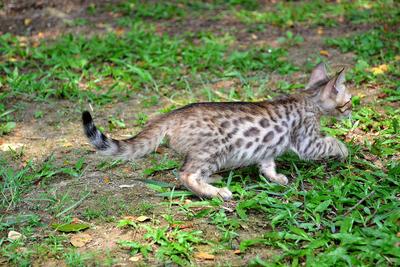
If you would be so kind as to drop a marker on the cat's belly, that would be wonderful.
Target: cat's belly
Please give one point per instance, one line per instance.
(253, 155)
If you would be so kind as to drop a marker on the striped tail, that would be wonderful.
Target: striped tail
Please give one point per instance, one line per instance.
(135, 147)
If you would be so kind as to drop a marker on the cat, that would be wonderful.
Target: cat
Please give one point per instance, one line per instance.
(215, 136)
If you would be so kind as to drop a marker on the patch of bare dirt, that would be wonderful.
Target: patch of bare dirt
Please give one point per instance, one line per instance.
(28, 17)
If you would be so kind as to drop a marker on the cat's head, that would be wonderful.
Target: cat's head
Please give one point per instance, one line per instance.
(330, 94)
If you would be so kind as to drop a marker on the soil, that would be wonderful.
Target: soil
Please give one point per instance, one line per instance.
(59, 133)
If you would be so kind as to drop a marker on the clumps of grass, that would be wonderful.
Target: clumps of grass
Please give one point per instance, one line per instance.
(167, 244)
(376, 52)
(144, 9)
(16, 181)
(7, 124)
(134, 61)
(376, 44)
(337, 221)
(287, 14)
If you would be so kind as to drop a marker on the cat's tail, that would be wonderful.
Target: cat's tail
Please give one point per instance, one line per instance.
(143, 143)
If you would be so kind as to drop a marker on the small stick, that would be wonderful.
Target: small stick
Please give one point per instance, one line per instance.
(359, 203)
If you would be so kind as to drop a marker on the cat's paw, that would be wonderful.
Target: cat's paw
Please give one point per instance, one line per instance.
(280, 179)
(343, 153)
(225, 194)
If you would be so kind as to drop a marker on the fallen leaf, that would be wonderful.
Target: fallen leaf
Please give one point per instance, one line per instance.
(382, 95)
(142, 219)
(27, 21)
(119, 31)
(160, 150)
(381, 69)
(223, 84)
(80, 239)
(67, 144)
(182, 226)
(135, 258)
(324, 53)
(106, 180)
(13, 235)
(70, 227)
(237, 251)
(204, 256)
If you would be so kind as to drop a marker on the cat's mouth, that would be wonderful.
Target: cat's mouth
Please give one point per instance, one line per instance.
(340, 108)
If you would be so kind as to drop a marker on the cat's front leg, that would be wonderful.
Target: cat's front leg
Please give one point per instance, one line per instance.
(267, 168)
(323, 147)
(339, 149)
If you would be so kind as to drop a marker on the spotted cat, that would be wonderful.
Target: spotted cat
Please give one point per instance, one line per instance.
(227, 135)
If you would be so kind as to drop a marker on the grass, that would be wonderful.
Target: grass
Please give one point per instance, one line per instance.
(331, 214)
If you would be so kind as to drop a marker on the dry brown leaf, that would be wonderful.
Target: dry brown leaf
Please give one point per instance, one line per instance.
(324, 53)
(142, 219)
(237, 251)
(204, 256)
(27, 21)
(161, 150)
(80, 239)
(223, 84)
(382, 95)
(182, 226)
(67, 144)
(13, 235)
(119, 31)
(381, 69)
(135, 258)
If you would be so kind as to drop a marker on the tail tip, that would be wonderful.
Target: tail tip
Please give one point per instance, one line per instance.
(86, 117)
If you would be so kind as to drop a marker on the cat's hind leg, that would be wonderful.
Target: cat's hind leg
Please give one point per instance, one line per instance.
(267, 168)
(195, 175)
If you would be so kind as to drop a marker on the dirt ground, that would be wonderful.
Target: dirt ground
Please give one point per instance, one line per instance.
(58, 133)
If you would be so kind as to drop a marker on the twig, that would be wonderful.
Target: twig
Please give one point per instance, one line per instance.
(359, 203)
(76, 204)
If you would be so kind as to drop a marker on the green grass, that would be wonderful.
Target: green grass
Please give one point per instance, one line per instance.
(321, 13)
(331, 214)
(75, 67)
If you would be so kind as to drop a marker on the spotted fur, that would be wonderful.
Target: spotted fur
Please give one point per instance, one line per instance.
(222, 136)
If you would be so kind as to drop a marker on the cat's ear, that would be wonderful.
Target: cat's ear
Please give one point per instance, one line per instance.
(335, 86)
(317, 75)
